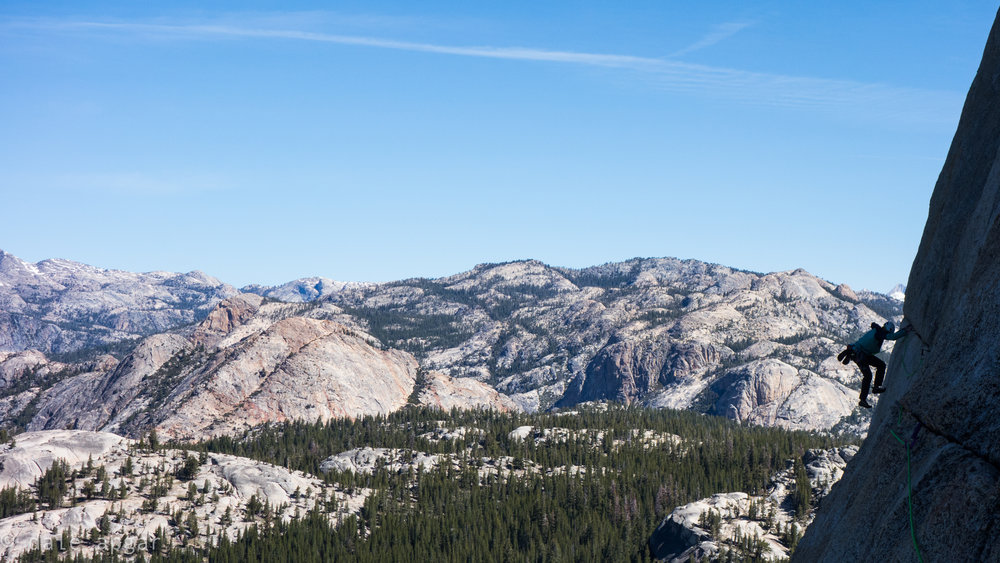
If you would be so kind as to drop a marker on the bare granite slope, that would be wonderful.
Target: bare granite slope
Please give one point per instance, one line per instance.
(926, 482)
(247, 363)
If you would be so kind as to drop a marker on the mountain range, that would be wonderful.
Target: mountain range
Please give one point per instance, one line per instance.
(94, 349)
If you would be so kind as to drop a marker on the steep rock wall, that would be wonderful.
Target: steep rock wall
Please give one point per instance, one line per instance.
(933, 449)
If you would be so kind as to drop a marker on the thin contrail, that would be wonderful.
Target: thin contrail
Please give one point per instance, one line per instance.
(748, 86)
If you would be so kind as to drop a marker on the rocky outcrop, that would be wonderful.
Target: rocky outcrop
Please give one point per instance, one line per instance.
(930, 467)
(298, 369)
(622, 370)
(817, 403)
(629, 370)
(14, 366)
(770, 519)
(225, 318)
(367, 460)
(91, 400)
(35, 452)
(773, 393)
(753, 393)
(443, 392)
(292, 369)
(223, 488)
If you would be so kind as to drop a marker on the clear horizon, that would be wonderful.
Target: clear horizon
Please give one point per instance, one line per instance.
(386, 140)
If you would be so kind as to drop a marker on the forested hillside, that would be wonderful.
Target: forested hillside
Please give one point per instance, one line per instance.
(585, 485)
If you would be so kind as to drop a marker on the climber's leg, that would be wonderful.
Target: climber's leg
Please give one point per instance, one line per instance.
(879, 373)
(866, 379)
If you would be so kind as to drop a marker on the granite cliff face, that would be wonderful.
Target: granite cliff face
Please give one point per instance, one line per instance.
(932, 456)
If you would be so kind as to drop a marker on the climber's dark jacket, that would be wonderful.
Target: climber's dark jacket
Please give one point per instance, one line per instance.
(871, 342)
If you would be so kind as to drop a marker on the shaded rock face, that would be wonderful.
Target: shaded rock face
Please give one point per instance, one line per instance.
(943, 381)
(622, 371)
(629, 370)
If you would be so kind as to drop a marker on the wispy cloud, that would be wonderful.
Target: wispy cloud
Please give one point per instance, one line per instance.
(718, 34)
(226, 31)
(876, 100)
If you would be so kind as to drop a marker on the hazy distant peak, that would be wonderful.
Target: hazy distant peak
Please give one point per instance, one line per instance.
(898, 292)
(303, 290)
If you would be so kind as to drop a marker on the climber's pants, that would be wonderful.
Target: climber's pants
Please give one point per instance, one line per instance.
(866, 362)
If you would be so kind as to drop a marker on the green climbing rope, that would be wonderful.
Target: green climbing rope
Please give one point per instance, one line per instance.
(899, 419)
(909, 493)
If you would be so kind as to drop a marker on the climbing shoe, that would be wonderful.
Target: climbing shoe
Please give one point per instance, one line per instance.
(878, 390)
(864, 403)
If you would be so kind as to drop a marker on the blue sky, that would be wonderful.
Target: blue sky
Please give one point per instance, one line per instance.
(383, 140)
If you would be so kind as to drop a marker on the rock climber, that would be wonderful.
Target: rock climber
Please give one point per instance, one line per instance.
(863, 353)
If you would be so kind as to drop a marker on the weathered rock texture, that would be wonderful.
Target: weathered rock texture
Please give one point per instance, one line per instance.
(443, 392)
(367, 460)
(946, 379)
